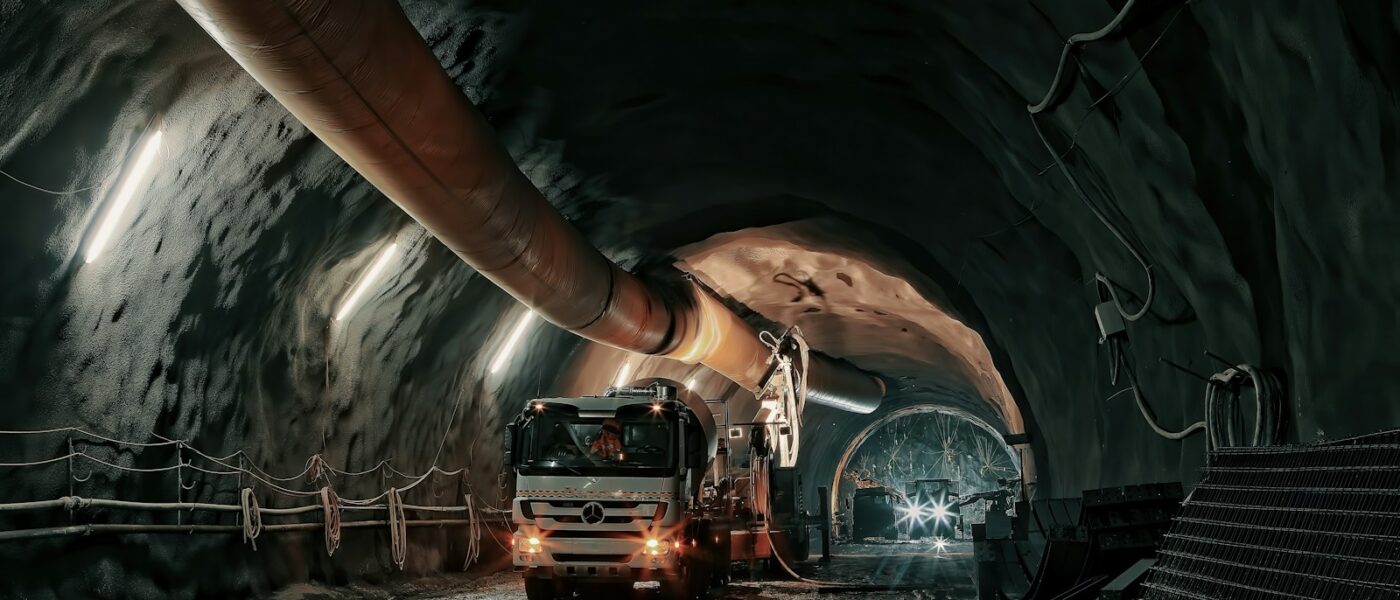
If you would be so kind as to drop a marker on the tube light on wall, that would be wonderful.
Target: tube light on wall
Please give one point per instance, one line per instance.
(512, 340)
(623, 374)
(134, 178)
(367, 281)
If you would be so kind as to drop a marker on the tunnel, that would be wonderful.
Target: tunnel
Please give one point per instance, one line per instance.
(1011, 299)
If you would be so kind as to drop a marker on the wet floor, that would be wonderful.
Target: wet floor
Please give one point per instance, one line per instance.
(919, 571)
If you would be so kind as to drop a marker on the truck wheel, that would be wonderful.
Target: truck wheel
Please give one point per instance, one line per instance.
(539, 589)
(693, 581)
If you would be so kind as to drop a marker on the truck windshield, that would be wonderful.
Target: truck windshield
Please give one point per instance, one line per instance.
(635, 444)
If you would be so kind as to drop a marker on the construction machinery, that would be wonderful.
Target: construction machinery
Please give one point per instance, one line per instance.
(932, 509)
(637, 485)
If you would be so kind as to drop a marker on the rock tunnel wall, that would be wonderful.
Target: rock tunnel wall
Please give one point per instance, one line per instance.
(1250, 159)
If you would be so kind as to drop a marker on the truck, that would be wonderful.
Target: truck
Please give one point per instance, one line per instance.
(873, 514)
(635, 485)
(607, 493)
(933, 509)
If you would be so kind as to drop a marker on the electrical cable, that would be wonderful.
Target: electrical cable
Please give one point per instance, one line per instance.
(252, 517)
(1147, 413)
(57, 192)
(398, 533)
(1044, 103)
(330, 516)
(1076, 39)
(1222, 407)
(1117, 87)
(1113, 229)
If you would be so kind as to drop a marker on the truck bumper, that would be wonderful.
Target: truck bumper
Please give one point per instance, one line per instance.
(595, 559)
(598, 572)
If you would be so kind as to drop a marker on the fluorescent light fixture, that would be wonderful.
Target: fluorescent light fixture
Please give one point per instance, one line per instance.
(512, 340)
(623, 374)
(367, 280)
(134, 179)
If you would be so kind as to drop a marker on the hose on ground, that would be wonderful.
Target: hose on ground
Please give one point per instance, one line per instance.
(252, 517)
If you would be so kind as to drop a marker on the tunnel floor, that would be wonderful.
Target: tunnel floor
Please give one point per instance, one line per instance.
(938, 576)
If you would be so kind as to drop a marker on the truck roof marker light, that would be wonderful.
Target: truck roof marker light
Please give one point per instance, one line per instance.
(539, 407)
(367, 280)
(512, 341)
(622, 375)
(128, 188)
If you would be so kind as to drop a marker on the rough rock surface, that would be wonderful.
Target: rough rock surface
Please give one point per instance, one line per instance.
(1249, 157)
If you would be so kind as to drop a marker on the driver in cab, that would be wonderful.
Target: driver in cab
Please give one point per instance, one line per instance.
(608, 444)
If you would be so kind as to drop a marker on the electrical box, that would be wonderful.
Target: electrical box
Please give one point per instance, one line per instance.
(1110, 321)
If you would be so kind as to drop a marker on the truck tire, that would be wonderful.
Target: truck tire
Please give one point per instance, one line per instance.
(693, 581)
(539, 589)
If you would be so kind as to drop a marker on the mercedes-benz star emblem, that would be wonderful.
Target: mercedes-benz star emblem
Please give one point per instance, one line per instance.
(593, 513)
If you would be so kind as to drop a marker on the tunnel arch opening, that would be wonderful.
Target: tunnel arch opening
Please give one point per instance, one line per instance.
(963, 445)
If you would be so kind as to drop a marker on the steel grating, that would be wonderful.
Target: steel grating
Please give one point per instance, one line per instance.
(1316, 522)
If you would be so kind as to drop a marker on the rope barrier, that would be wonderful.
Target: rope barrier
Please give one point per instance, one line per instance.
(330, 506)
(397, 532)
(252, 517)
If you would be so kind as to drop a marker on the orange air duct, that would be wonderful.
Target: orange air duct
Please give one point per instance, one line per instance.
(359, 76)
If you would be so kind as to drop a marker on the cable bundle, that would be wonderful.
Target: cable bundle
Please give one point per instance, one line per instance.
(330, 514)
(398, 530)
(252, 517)
(1225, 422)
(473, 532)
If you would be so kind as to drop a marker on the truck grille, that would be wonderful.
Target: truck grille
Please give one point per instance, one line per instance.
(592, 558)
(605, 503)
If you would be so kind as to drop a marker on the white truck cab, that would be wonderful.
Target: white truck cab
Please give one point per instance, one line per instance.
(607, 494)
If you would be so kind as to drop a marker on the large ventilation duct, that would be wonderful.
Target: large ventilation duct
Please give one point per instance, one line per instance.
(359, 76)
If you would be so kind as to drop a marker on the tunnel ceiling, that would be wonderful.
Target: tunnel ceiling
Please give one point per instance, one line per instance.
(1247, 153)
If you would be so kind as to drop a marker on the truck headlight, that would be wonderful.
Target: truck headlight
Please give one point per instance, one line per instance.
(532, 545)
(657, 547)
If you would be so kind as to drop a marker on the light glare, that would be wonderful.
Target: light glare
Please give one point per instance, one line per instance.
(623, 374)
(134, 179)
(367, 280)
(509, 347)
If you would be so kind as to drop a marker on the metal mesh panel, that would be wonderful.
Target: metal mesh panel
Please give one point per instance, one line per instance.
(1295, 522)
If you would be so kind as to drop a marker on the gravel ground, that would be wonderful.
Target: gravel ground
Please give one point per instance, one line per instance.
(937, 575)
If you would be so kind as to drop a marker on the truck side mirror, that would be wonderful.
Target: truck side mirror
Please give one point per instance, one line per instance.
(508, 449)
